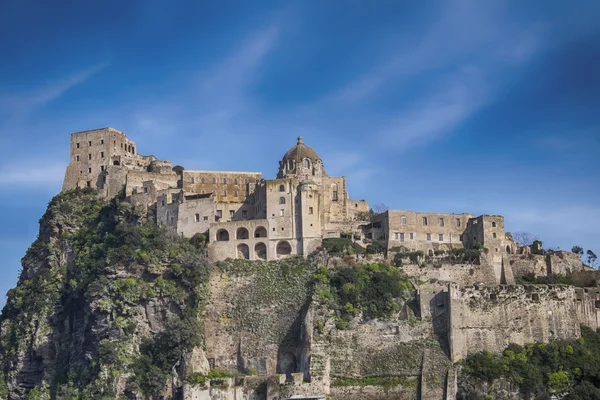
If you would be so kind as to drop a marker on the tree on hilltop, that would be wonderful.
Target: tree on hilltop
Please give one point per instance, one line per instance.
(577, 250)
(525, 238)
(591, 258)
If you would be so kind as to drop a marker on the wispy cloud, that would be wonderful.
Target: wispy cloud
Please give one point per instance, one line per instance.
(25, 101)
(34, 173)
(438, 113)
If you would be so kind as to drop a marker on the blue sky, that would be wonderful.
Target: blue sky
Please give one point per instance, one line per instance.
(448, 106)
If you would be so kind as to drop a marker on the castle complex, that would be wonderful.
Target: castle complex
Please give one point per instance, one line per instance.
(249, 217)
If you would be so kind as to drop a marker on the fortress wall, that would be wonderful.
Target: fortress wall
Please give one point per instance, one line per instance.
(564, 262)
(462, 274)
(524, 264)
(588, 306)
(493, 317)
(135, 181)
(195, 216)
(228, 186)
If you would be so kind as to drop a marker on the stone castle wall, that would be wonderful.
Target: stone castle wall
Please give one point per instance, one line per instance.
(493, 317)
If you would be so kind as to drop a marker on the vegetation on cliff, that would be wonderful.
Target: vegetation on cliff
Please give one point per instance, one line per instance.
(77, 325)
(377, 291)
(567, 369)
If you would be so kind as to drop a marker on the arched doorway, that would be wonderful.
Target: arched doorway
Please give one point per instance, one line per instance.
(283, 249)
(260, 232)
(222, 235)
(242, 233)
(260, 249)
(243, 251)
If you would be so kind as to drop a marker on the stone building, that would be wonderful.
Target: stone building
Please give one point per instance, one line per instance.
(245, 215)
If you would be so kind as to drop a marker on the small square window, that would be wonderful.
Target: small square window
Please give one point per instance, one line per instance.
(429, 236)
(102, 168)
(205, 218)
(225, 181)
(493, 224)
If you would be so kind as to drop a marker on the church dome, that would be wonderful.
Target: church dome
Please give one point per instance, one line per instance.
(299, 152)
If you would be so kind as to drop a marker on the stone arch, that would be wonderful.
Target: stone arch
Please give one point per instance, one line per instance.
(260, 250)
(283, 248)
(282, 200)
(242, 233)
(288, 365)
(243, 251)
(222, 235)
(260, 232)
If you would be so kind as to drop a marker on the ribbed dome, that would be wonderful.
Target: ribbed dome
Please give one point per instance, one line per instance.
(299, 152)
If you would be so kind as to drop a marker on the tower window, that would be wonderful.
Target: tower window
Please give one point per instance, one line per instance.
(282, 188)
(310, 210)
(429, 237)
(493, 224)
(202, 180)
(89, 143)
(306, 163)
(77, 158)
(219, 213)
(89, 156)
(458, 222)
(334, 192)
(101, 141)
(90, 170)
(494, 235)
(101, 154)
(442, 222)
(282, 200)
(403, 219)
(425, 221)
(244, 213)
(235, 181)
(193, 180)
(225, 181)
(282, 212)
(77, 145)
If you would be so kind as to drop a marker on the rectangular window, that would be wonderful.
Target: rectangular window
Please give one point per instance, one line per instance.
(235, 181)
(102, 168)
(396, 235)
(162, 203)
(77, 145)
(214, 180)
(411, 236)
(193, 180)
(494, 235)
(145, 189)
(235, 194)
(442, 222)
(89, 143)
(90, 170)
(401, 236)
(425, 221)
(77, 158)
(403, 218)
(101, 154)
(441, 237)
(224, 193)
(429, 237)
(202, 180)
(197, 217)
(219, 213)
(206, 218)
(231, 213)
(282, 212)
(225, 181)
(244, 214)
(89, 156)
(89, 183)
(458, 222)
(310, 210)
(101, 141)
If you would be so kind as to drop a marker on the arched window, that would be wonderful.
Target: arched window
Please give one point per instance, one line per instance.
(306, 163)
(290, 165)
(282, 200)
(282, 188)
(493, 224)
(334, 192)
(222, 235)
